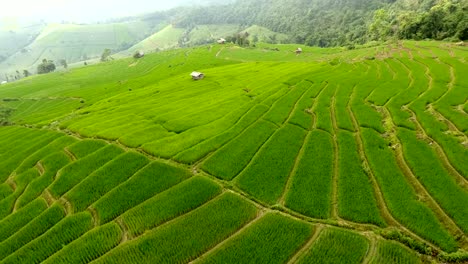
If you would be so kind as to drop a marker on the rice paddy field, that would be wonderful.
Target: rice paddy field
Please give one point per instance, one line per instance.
(330, 156)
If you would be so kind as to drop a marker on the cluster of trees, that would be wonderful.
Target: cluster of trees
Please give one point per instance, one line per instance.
(340, 22)
(241, 39)
(106, 55)
(446, 20)
(46, 66)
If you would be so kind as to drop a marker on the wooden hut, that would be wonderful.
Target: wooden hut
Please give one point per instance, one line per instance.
(197, 75)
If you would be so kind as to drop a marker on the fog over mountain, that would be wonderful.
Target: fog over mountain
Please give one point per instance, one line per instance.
(82, 11)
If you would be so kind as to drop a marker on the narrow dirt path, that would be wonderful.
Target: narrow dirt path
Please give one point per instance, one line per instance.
(123, 227)
(11, 183)
(40, 168)
(429, 86)
(294, 169)
(234, 180)
(462, 181)
(448, 223)
(219, 52)
(48, 197)
(69, 154)
(95, 216)
(388, 217)
(67, 206)
(452, 127)
(301, 252)
(372, 250)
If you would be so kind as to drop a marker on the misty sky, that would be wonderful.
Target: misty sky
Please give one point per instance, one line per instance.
(80, 10)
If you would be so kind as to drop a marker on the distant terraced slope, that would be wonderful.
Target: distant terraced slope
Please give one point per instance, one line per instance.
(332, 156)
(74, 43)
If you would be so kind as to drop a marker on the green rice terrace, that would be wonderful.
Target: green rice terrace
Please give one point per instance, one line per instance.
(329, 156)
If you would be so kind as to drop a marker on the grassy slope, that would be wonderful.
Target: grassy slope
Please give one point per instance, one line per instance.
(75, 43)
(154, 101)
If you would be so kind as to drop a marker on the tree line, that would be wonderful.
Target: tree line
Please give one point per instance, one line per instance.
(327, 23)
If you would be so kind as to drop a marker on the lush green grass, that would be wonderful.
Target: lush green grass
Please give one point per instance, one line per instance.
(311, 187)
(356, 200)
(76, 42)
(90, 246)
(272, 239)
(174, 242)
(56, 145)
(54, 239)
(265, 178)
(337, 246)
(7, 204)
(283, 108)
(148, 182)
(85, 147)
(22, 150)
(12, 223)
(164, 39)
(33, 229)
(391, 252)
(400, 197)
(74, 173)
(105, 179)
(439, 183)
(259, 127)
(234, 156)
(302, 114)
(198, 151)
(167, 205)
(51, 164)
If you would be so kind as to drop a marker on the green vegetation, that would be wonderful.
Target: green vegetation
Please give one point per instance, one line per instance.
(145, 184)
(355, 198)
(83, 148)
(32, 230)
(399, 196)
(105, 179)
(207, 225)
(337, 246)
(266, 176)
(169, 204)
(90, 246)
(74, 173)
(332, 155)
(272, 239)
(234, 156)
(435, 178)
(391, 252)
(12, 223)
(311, 186)
(54, 239)
(51, 165)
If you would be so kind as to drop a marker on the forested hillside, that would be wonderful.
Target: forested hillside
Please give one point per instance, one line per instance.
(341, 22)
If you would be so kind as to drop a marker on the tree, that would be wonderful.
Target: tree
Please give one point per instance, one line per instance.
(26, 73)
(46, 66)
(64, 63)
(380, 27)
(106, 55)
